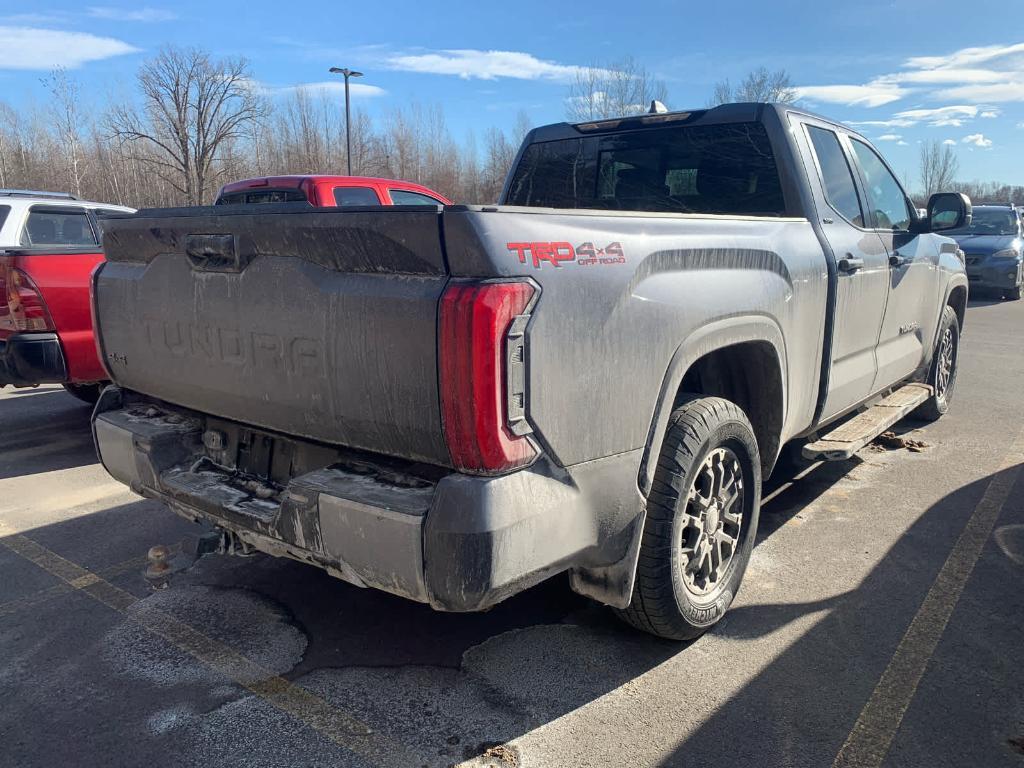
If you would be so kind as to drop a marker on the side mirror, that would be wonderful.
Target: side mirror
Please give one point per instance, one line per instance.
(949, 210)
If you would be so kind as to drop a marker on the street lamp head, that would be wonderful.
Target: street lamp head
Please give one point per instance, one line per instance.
(345, 71)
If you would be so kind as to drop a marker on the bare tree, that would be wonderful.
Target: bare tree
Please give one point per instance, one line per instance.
(612, 90)
(68, 121)
(939, 167)
(759, 85)
(193, 107)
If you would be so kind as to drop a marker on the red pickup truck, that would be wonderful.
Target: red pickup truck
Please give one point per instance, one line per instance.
(49, 245)
(329, 191)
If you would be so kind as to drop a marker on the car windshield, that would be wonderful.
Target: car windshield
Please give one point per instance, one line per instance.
(989, 221)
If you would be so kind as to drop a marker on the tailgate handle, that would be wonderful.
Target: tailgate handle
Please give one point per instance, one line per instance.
(214, 253)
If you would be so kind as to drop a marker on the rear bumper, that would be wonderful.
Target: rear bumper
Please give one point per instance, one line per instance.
(32, 358)
(459, 543)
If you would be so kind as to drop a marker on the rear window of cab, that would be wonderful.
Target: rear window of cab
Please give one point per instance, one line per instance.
(721, 169)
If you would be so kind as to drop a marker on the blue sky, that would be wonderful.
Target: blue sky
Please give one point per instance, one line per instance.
(902, 70)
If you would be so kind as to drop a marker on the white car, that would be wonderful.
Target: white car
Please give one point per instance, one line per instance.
(31, 219)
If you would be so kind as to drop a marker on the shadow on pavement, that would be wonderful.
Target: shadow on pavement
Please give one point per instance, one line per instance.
(448, 685)
(42, 431)
(805, 702)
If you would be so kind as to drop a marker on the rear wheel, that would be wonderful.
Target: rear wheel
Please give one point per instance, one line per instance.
(87, 393)
(701, 521)
(942, 376)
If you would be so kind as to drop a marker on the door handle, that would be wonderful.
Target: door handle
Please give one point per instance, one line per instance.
(896, 260)
(851, 263)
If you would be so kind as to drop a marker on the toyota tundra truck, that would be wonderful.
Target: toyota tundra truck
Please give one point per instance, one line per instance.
(452, 404)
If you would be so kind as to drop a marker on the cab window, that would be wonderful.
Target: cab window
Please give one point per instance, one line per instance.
(352, 196)
(405, 197)
(840, 189)
(885, 196)
(60, 227)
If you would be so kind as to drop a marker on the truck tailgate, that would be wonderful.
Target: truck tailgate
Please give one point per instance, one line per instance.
(320, 323)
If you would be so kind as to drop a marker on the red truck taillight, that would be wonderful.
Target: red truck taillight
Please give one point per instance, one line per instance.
(476, 319)
(22, 308)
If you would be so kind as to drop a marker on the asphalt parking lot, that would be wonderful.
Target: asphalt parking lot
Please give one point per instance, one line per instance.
(879, 624)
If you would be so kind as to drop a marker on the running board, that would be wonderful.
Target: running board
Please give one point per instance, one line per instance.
(844, 441)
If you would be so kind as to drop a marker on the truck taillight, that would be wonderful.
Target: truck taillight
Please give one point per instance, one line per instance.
(22, 308)
(476, 321)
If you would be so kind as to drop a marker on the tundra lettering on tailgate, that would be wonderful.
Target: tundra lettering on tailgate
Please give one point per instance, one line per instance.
(295, 354)
(555, 253)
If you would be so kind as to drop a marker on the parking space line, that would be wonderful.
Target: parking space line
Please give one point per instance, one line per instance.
(868, 743)
(341, 728)
(66, 587)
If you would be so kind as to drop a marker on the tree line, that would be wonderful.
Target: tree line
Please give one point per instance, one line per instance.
(201, 121)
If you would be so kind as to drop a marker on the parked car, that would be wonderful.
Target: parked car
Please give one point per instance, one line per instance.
(342, 191)
(49, 244)
(454, 404)
(993, 246)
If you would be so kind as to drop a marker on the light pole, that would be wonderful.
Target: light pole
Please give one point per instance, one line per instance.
(348, 115)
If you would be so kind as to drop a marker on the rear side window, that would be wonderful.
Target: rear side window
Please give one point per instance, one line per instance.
(725, 169)
(840, 189)
(405, 197)
(346, 196)
(247, 197)
(4, 210)
(57, 227)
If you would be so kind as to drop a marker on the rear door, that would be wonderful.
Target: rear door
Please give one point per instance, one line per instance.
(909, 323)
(862, 265)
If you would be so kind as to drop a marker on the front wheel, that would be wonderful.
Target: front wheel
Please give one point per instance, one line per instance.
(701, 521)
(1013, 294)
(942, 375)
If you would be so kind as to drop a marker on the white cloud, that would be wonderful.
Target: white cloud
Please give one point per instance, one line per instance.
(44, 49)
(978, 140)
(902, 143)
(1010, 90)
(896, 122)
(147, 15)
(332, 87)
(485, 65)
(874, 94)
(950, 142)
(966, 57)
(890, 137)
(981, 75)
(953, 116)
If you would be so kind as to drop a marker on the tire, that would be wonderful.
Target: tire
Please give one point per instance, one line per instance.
(942, 384)
(1013, 294)
(87, 393)
(676, 594)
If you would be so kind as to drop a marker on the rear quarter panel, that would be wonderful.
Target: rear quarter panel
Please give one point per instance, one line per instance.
(608, 335)
(63, 280)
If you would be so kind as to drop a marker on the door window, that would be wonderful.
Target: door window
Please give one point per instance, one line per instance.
(840, 189)
(405, 197)
(351, 196)
(57, 227)
(885, 196)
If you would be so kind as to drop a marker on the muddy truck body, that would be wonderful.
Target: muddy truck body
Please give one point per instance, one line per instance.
(592, 377)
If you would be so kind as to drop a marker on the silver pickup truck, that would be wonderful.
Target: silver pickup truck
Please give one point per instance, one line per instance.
(453, 404)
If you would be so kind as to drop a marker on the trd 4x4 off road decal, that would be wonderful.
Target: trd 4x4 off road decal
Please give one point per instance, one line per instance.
(556, 253)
